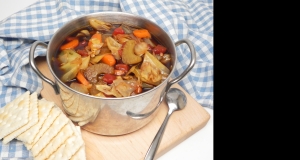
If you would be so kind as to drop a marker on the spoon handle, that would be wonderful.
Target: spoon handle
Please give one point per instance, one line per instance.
(156, 141)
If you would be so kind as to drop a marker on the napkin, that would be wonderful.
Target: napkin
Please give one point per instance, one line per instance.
(191, 19)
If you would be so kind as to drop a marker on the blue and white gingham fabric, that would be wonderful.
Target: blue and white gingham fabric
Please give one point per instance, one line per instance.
(192, 19)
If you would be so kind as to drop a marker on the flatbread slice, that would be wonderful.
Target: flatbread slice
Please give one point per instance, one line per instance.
(70, 146)
(66, 151)
(32, 120)
(44, 108)
(55, 143)
(14, 115)
(80, 153)
(51, 132)
(54, 113)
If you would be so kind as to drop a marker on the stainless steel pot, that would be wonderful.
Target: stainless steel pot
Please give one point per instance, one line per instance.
(109, 116)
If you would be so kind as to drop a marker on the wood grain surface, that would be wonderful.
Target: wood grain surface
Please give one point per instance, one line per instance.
(134, 146)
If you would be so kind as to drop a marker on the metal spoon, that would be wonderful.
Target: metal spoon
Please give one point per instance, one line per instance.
(176, 100)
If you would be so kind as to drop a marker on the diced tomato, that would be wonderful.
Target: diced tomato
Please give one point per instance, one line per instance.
(138, 90)
(118, 30)
(119, 72)
(159, 49)
(82, 52)
(109, 78)
(121, 66)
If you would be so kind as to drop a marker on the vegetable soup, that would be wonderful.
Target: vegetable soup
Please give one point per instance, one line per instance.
(112, 60)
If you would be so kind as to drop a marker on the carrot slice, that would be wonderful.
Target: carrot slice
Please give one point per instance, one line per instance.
(80, 77)
(96, 36)
(142, 33)
(70, 45)
(109, 59)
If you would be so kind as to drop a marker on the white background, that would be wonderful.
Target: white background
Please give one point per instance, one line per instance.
(197, 147)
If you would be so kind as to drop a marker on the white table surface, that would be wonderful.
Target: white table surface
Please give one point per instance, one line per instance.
(199, 146)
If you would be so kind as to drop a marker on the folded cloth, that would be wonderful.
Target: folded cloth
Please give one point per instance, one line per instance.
(191, 19)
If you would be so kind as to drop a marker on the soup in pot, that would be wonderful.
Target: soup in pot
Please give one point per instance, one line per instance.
(112, 60)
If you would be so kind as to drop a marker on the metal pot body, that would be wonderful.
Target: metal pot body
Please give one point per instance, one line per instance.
(106, 116)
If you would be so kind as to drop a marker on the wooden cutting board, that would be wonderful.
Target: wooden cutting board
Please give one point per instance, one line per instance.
(134, 146)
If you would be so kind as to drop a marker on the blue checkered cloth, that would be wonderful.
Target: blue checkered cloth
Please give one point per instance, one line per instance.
(192, 19)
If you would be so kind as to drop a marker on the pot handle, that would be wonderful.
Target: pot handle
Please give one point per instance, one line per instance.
(170, 83)
(36, 70)
(189, 67)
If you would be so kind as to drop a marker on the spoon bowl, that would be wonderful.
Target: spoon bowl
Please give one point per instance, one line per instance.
(176, 100)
